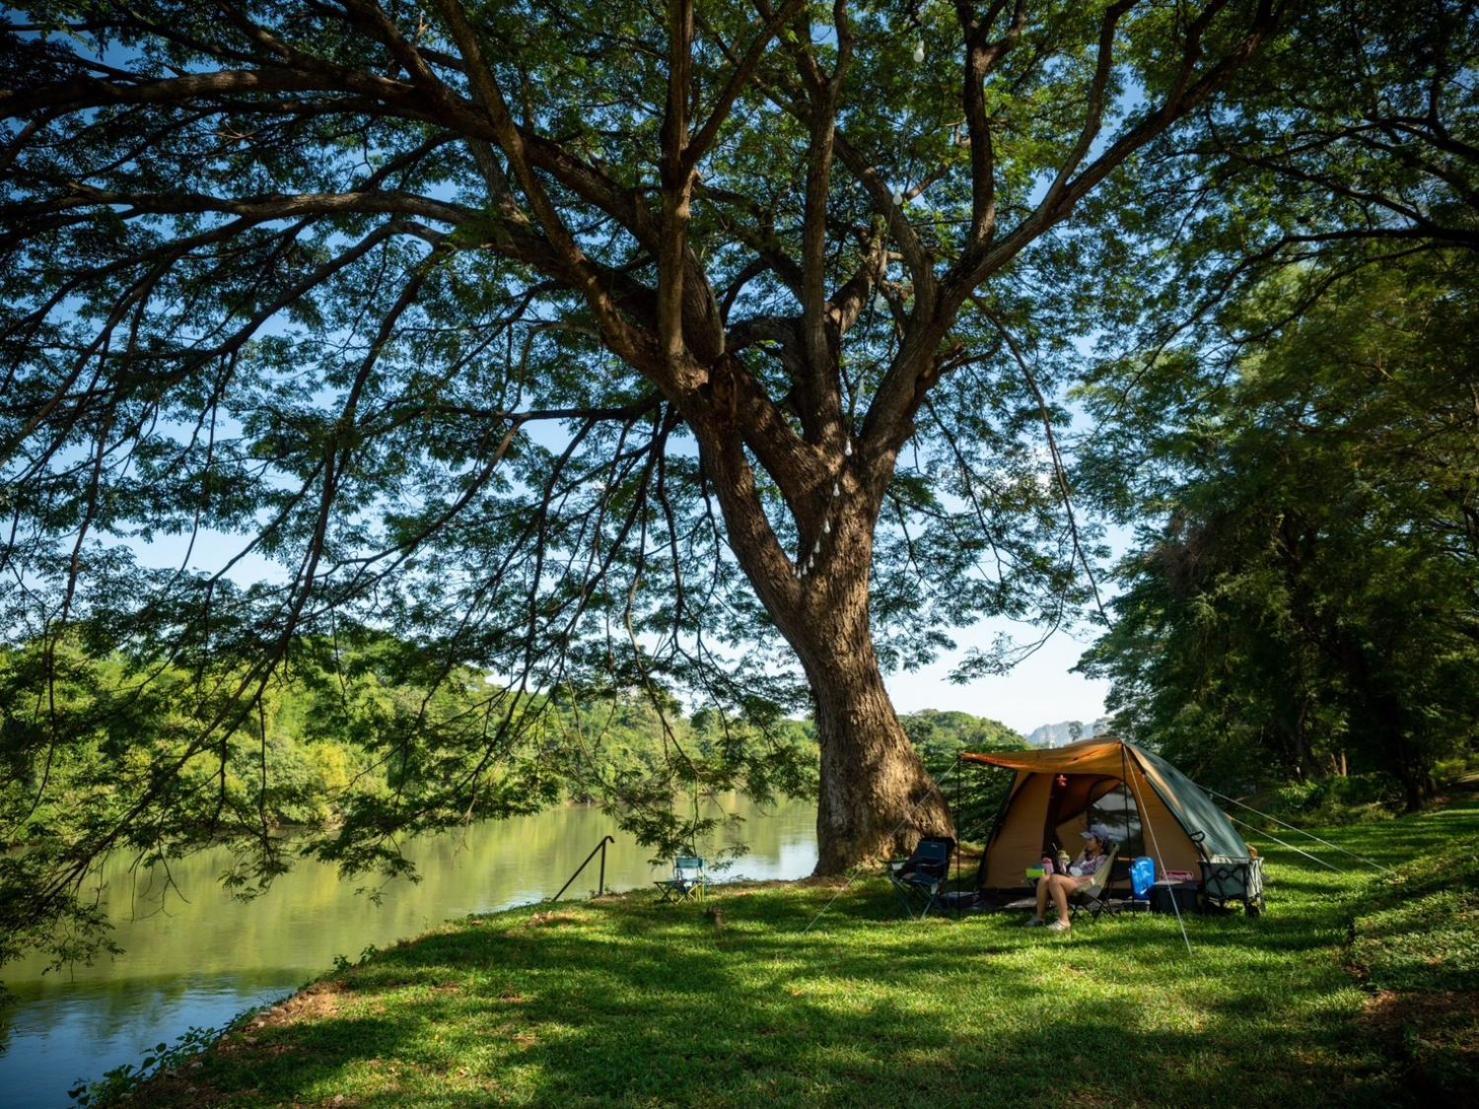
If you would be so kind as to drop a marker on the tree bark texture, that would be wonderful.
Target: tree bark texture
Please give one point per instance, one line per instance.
(876, 798)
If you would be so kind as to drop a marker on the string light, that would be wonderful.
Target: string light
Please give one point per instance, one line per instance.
(919, 51)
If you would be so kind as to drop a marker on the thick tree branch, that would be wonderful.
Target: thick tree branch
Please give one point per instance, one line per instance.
(630, 343)
(981, 57)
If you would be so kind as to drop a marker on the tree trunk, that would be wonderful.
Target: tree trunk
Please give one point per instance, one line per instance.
(876, 798)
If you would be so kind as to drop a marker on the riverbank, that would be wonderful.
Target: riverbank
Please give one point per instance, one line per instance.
(195, 957)
(1354, 988)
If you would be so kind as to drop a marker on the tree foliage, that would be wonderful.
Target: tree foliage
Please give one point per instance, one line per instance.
(976, 793)
(606, 350)
(1309, 604)
(1352, 140)
(343, 759)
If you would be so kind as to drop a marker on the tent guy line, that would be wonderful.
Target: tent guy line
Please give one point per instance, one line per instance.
(1301, 831)
(1284, 843)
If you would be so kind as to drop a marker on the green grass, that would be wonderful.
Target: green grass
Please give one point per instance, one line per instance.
(1353, 989)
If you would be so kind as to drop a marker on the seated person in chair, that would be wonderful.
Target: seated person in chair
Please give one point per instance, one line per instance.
(1081, 872)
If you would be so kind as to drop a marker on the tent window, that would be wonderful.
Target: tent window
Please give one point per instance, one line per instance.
(1116, 810)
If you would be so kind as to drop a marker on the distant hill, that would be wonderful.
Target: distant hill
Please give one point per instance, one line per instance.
(1059, 735)
(944, 734)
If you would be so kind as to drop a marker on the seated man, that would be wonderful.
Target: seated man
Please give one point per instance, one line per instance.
(1081, 873)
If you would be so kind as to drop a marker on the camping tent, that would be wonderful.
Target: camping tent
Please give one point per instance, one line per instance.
(1150, 807)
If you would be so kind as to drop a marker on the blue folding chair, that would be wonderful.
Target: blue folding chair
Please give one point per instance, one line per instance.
(688, 883)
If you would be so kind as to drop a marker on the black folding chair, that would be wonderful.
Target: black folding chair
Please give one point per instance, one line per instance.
(920, 879)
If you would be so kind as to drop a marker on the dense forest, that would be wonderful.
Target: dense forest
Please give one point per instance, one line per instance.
(1302, 599)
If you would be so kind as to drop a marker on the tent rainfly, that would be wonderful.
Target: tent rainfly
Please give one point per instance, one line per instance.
(1150, 807)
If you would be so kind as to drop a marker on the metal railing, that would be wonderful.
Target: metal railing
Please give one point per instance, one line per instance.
(601, 885)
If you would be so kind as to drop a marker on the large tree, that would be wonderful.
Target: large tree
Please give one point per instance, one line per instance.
(579, 342)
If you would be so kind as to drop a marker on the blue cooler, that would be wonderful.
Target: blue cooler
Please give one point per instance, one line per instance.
(1142, 877)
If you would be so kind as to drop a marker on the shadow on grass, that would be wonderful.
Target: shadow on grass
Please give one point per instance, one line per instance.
(625, 1002)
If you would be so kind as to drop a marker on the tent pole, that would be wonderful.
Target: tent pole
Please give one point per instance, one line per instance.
(956, 771)
(1125, 790)
(1155, 841)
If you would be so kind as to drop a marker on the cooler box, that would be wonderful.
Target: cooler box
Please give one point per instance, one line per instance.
(1142, 877)
(1168, 896)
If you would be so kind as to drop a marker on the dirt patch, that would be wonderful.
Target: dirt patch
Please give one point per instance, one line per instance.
(316, 1002)
(551, 919)
(172, 1089)
(1389, 1011)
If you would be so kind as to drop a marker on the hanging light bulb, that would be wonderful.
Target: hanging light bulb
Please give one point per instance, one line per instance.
(826, 527)
(847, 448)
(898, 199)
(919, 51)
(836, 489)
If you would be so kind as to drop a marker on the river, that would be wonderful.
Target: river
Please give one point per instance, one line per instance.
(197, 958)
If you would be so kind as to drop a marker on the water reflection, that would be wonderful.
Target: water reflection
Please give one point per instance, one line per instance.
(197, 957)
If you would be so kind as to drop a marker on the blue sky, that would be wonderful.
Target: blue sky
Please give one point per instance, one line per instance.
(1040, 690)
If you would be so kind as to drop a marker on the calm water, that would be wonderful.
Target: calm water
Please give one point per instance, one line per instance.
(201, 960)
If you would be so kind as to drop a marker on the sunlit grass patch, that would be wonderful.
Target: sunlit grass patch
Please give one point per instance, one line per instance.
(621, 1001)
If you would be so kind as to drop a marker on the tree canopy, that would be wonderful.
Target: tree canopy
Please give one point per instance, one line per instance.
(1289, 419)
(713, 354)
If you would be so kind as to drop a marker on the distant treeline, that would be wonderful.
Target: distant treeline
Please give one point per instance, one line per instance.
(336, 723)
(342, 731)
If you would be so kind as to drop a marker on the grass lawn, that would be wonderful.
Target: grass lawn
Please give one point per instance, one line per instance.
(1352, 989)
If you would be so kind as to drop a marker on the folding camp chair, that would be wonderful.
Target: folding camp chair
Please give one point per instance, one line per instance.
(920, 879)
(688, 883)
(1092, 898)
